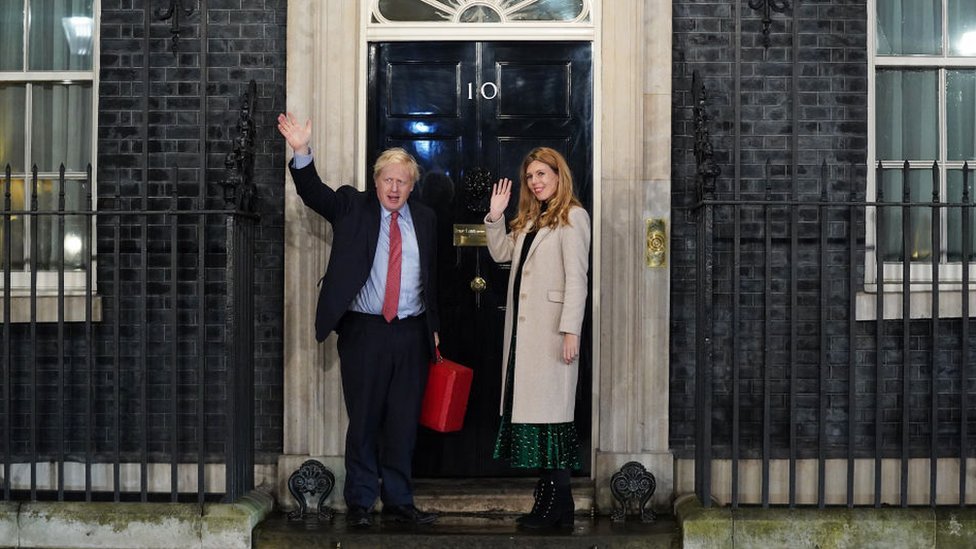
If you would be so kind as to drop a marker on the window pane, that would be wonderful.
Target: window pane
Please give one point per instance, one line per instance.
(954, 215)
(890, 232)
(61, 130)
(60, 35)
(48, 231)
(962, 27)
(11, 36)
(908, 27)
(411, 10)
(12, 101)
(907, 122)
(550, 10)
(480, 14)
(961, 114)
(16, 226)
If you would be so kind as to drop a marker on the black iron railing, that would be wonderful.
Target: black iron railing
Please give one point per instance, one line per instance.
(812, 343)
(147, 366)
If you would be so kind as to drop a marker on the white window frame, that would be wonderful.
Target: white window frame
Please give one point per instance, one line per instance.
(950, 274)
(75, 281)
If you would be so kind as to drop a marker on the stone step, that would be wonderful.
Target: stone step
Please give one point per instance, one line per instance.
(475, 513)
(481, 531)
(496, 496)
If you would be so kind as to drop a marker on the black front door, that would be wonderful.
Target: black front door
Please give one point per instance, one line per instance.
(469, 112)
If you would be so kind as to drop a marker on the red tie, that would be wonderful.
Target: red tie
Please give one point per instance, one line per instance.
(392, 297)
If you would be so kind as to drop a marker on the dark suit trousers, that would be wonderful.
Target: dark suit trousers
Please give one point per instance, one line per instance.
(384, 372)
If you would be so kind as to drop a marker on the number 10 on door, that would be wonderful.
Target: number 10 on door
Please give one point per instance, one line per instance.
(488, 90)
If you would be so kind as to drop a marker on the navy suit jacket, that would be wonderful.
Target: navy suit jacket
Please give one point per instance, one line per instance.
(355, 219)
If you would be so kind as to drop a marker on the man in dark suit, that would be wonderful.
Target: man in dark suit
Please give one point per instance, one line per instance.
(379, 295)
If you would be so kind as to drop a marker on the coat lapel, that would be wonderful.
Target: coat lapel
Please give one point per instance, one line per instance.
(542, 235)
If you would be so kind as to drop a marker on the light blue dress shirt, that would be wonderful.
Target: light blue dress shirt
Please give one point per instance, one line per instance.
(370, 297)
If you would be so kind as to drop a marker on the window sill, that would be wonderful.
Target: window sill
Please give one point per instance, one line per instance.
(920, 304)
(47, 308)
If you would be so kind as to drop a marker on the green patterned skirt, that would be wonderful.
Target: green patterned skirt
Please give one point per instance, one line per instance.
(529, 445)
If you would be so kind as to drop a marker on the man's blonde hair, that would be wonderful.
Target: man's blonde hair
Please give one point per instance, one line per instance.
(397, 155)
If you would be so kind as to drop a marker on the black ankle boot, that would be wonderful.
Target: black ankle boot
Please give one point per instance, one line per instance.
(535, 504)
(556, 507)
(562, 477)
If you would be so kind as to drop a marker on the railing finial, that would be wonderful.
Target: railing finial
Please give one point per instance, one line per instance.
(706, 171)
(239, 187)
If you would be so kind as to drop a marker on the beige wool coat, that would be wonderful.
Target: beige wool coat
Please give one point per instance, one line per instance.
(552, 298)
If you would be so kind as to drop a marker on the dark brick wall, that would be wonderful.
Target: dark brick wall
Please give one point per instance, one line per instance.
(822, 117)
(246, 41)
(827, 109)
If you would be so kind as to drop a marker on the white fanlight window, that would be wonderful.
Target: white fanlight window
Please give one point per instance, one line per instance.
(480, 11)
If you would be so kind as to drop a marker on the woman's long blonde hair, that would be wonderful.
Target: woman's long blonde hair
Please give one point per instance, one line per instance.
(562, 201)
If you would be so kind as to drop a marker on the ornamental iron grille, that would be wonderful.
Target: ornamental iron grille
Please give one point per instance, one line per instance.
(308, 481)
(766, 7)
(632, 486)
(480, 11)
(172, 13)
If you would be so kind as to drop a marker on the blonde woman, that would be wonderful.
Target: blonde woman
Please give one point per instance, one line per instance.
(548, 246)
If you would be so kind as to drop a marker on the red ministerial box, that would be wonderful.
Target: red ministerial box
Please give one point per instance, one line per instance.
(446, 396)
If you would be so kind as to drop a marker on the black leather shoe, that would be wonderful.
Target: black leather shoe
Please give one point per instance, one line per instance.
(407, 513)
(358, 517)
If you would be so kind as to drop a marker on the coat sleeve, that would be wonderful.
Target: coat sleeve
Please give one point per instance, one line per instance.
(318, 196)
(501, 244)
(575, 242)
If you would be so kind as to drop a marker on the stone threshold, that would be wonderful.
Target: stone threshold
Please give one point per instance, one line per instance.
(482, 531)
(491, 495)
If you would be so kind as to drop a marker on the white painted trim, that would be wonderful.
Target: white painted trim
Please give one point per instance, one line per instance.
(25, 49)
(362, 64)
(835, 490)
(596, 248)
(920, 303)
(47, 282)
(69, 175)
(916, 61)
(477, 32)
(65, 77)
(870, 192)
(46, 307)
(96, 81)
(158, 479)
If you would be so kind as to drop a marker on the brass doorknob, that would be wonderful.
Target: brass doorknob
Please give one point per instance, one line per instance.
(478, 284)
